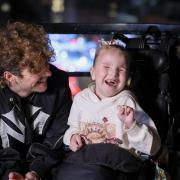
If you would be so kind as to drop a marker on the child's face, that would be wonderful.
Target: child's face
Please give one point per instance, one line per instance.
(109, 73)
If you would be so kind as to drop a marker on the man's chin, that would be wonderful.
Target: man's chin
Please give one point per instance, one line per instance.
(40, 89)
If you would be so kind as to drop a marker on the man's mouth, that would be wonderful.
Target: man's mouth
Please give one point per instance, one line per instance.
(42, 81)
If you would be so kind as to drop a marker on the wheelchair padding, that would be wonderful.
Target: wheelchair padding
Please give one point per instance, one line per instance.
(108, 155)
(150, 84)
(98, 161)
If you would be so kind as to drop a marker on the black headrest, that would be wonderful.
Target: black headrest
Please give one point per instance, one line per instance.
(156, 59)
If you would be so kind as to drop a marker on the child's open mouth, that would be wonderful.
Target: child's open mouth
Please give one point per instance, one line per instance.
(111, 82)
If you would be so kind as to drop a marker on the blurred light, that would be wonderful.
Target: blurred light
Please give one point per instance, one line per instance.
(5, 7)
(74, 85)
(64, 54)
(57, 6)
(92, 52)
(124, 17)
(83, 61)
(113, 9)
(72, 68)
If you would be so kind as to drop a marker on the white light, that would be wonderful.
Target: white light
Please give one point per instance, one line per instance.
(64, 54)
(82, 61)
(5, 7)
(92, 52)
(57, 6)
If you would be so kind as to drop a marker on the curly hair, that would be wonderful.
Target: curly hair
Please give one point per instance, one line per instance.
(23, 45)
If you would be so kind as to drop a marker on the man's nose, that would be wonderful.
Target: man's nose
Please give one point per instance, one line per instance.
(47, 73)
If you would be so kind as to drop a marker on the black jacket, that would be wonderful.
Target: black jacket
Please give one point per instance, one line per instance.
(31, 128)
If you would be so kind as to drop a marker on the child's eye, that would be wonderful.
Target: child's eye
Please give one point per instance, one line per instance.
(122, 70)
(106, 67)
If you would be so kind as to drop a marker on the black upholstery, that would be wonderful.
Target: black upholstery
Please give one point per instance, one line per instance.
(151, 84)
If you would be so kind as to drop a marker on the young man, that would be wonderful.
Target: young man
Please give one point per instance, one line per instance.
(35, 100)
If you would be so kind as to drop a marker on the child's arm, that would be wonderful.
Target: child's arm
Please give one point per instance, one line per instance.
(141, 131)
(72, 137)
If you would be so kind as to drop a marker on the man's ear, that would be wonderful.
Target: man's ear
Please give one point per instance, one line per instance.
(92, 73)
(8, 76)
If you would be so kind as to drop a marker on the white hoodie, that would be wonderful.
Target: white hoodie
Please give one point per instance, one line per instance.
(98, 122)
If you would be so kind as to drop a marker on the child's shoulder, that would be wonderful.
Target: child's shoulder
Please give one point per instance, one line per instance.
(127, 93)
(127, 98)
(83, 93)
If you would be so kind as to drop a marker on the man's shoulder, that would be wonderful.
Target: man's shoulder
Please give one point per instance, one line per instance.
(58, 78)
(6, 99)
(58, 73)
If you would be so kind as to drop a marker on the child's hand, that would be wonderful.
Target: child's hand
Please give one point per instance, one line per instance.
(32, 175)
(15, 176)
(126, 115)
(76, 142)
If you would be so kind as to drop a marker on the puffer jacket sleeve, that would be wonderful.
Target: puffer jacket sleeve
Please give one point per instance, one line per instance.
(57, 101)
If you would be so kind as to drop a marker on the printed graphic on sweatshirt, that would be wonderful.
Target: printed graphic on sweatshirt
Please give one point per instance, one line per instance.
(104, 132)
(16, 129)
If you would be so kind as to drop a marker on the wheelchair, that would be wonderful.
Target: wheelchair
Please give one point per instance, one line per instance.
(150, 83)
(152, 80)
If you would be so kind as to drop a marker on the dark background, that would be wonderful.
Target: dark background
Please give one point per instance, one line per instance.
(91, 11)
